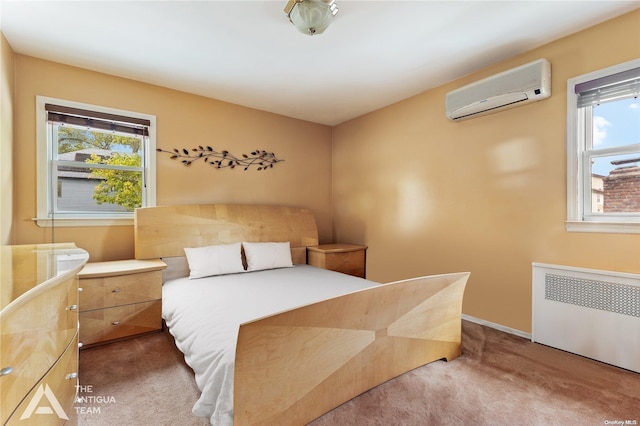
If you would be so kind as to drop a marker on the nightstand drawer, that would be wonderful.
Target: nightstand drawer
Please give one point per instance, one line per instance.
(120, 298)
(113, 323)
(105, 292)
(345, 262)
(346, 258)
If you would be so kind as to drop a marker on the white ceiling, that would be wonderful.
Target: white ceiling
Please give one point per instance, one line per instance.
(375, 53)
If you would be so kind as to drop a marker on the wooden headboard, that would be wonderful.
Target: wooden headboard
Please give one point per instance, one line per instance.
(165, 231)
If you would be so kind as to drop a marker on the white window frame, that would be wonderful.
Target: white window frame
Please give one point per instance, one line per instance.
(44, 216)
(578, 176)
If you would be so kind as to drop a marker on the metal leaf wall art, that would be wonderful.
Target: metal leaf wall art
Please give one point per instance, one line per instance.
(260, 159)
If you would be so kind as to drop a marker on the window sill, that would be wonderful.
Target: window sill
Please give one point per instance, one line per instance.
(74, 222)
(604, 227)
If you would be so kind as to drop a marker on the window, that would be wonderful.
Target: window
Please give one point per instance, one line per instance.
(94, 164)
(603, 150)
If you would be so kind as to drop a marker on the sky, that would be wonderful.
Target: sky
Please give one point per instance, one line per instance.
(615, 124)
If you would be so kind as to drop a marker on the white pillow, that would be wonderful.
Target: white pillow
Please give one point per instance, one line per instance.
(214, 260)
(267, 255)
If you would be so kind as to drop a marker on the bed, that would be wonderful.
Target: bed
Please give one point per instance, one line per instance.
(286, 344)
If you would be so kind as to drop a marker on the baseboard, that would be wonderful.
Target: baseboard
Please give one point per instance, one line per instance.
(497, 326)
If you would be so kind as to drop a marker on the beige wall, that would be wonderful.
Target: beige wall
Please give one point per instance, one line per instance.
(6, 141)
(427, 195)
(485, 195)
(183, 120)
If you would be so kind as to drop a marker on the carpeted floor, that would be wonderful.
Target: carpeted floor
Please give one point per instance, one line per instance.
(500, 379)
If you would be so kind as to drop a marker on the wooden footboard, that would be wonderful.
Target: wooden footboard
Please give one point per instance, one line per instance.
(295, 366)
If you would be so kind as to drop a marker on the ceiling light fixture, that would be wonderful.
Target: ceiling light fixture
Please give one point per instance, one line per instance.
(311, 16)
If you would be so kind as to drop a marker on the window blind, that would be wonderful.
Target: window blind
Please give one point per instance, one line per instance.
(97, 120)
(621, 85)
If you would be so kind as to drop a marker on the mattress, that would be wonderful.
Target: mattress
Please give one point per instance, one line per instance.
(204, 316)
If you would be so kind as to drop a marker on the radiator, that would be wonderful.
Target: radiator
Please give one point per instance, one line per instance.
(588, 312)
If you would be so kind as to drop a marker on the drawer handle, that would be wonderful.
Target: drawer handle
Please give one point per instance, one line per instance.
(80, 344)
(73, 308)
(116, 323)
(71, 376)
(115, 290)
(80, 289)
(6, 371)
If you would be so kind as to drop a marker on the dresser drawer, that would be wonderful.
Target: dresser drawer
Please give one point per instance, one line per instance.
(104, 292)
(101, 325)
(33, 337)
(62, 380)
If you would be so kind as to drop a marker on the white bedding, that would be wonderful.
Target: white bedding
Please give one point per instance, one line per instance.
(204, 316)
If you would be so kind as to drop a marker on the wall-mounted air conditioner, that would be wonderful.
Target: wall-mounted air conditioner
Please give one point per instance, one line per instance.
(518, 86)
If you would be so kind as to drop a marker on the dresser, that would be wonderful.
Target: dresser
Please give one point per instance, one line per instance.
(119, 299)
(39, 332)
(346, 258)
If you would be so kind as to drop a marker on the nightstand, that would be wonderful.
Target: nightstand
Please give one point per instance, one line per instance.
(120, 299)
(346, 258)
